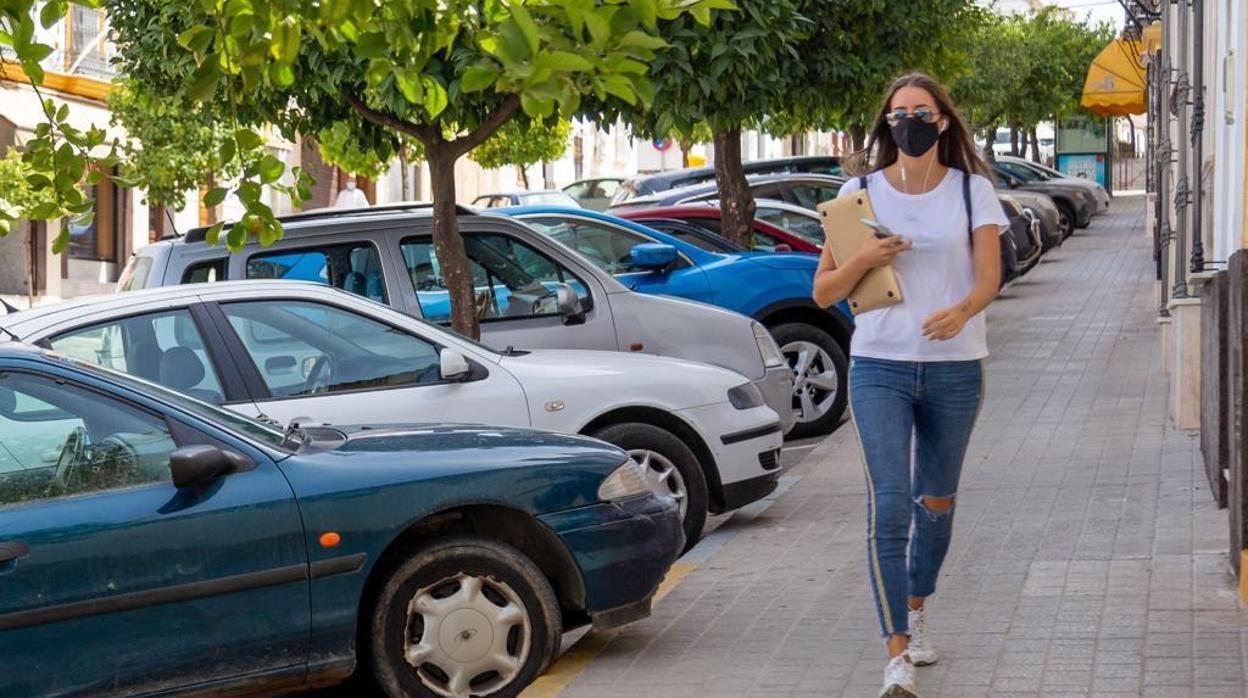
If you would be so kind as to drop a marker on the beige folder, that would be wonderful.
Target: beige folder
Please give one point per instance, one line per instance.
(845, 234)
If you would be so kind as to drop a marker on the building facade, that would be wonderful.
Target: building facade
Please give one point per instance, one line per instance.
(1196, 52)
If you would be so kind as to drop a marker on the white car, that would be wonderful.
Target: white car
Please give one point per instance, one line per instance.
(300, 352)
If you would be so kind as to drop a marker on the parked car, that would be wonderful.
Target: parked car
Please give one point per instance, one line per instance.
(1074, 203)
(645, 185)
(773, 289)
(532, 292)
(804, 232)
(594, 194)
(294, 352)
(521, 198)
(1025, 233)
(1041, 207)
(706, 215)
(1013, 164)
(806, 190)
(167, 546)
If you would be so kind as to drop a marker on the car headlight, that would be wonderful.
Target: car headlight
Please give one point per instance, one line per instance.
(746, 396)
(626, 481)
(767, 347)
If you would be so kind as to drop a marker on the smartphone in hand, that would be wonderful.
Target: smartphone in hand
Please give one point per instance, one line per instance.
(881, 231)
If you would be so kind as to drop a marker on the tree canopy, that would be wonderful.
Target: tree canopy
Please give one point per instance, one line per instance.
(523, 144)
(446, 73)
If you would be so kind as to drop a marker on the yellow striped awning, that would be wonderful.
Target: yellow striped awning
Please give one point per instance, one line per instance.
(1116, 84)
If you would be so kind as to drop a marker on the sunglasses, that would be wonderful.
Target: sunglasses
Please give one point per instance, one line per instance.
(923, 114)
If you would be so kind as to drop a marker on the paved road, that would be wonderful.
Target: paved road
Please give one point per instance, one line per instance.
(1088, 559)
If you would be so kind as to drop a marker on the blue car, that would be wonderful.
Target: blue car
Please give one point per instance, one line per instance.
(151, 543)
(774, 289)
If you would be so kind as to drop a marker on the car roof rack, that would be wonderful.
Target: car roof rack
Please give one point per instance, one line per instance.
(198, 234)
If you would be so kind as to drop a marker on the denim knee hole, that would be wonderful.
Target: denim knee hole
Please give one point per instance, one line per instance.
(936, 507)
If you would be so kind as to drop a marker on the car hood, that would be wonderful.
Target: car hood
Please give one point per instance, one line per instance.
(384, 479)
(580, 380)
(467, 447)
(803, 261)
(1034, 199)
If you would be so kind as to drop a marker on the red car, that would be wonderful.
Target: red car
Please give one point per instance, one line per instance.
(767, 237)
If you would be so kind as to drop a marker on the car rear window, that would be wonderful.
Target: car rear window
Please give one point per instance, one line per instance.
(205, 272)
(135, 274)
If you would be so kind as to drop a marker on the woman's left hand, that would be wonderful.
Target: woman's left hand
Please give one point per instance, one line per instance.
(945, 324)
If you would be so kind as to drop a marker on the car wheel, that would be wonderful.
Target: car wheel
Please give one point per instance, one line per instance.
(1065, 218)
(671, 468)
(820, 375)
(462, 616)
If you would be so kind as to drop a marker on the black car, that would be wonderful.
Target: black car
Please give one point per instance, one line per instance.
(645, 185)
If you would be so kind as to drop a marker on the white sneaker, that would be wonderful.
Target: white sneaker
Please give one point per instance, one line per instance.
(921, 651)
(899, 680)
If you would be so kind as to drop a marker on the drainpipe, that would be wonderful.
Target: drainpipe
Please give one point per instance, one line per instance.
(1182, 193)
(1198, 131)
(1165, 150)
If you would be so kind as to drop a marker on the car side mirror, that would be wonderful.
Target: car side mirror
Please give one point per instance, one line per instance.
(653, 256)
(453, 366)
(569, 305)
(199, 464)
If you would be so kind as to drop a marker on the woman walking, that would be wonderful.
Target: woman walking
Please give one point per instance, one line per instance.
(916, 373)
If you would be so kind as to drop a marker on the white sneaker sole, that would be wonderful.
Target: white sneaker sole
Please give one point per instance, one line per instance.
(896, 691)
(924, 658)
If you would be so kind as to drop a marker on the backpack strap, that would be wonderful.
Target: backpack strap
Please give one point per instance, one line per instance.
(862, 183)
(966, 199)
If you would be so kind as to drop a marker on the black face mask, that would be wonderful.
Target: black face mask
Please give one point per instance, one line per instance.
(914, 136)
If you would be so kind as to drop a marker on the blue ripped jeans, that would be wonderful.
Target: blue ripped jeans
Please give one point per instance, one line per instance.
(914, 420)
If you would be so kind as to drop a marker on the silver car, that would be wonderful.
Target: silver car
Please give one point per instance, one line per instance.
(532, 292)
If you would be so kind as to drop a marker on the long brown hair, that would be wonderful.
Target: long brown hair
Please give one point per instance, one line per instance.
(955, 148)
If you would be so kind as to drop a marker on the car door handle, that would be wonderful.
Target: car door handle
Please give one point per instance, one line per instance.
(10, 551)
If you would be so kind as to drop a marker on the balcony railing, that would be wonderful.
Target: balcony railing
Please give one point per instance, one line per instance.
(80, 45)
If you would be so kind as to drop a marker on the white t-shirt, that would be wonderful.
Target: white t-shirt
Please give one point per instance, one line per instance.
(937, 273)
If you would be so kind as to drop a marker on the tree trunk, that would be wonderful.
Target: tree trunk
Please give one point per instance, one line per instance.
(736, 203)
(404, 173)
(685, 147)
(524, 175)
(448, 244)
(858, 135)
(1035, 146)
(989, 154)
(1014, 141)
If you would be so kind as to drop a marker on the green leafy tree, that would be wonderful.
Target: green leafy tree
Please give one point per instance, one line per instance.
(1025, 69)
(174, 147)
(788, 66)
(727, 75)
(447, 73)
(57, 158)
(523, 144)
(856, 48)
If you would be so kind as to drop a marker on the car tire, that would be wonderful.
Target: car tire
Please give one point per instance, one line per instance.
(671, 469)
(793, 338)
(1066, 218)
(477, 587)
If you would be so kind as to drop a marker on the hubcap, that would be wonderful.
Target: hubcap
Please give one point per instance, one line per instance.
(815, 383)
(662, 476)
(466, 634)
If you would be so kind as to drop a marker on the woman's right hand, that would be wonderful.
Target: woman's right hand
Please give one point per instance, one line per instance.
(880, 252)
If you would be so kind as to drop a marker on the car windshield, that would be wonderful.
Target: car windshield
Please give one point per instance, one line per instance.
(256, 430)
(800, 224)
(1021, 171)
(550, 198)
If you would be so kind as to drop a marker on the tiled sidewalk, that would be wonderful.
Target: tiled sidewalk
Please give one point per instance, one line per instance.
(1088, 559)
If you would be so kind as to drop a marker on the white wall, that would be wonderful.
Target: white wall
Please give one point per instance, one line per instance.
(1226, 115)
